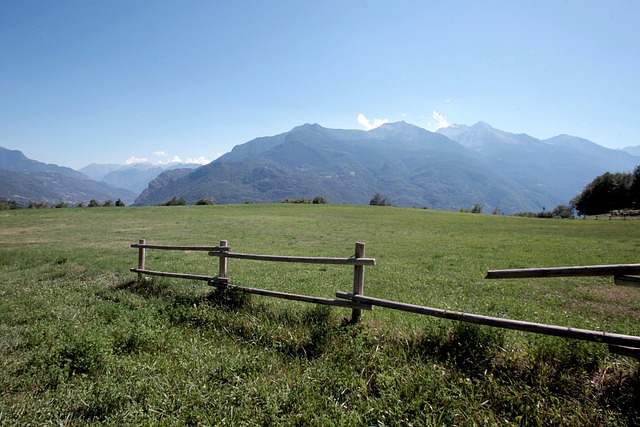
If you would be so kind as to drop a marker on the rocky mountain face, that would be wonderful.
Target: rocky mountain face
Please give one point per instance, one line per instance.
(452, 169)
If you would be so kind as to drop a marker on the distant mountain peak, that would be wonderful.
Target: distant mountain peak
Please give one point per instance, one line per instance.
(401, 125)
(482, 125)
(457, 127)
(16, 161)
(633, 150)
(568, 139)
(308, 126)
(482, 136)
(397, 128)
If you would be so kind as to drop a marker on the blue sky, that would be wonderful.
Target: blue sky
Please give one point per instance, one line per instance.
(109, 81)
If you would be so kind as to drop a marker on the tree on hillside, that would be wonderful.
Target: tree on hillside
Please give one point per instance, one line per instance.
(635, 188)
(299, 200)
(562, 211)
(477, 208)
(205, 201)
(319, 200)
(607, 192)
(6, 205)
(379, 200)
(175, 202)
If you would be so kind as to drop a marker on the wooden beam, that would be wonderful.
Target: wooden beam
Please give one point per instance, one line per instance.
(358, 280)
(625, 351)
(141, 257)
(627, 280)
(179, 275)
(295, 297)
(181, 248)
(297, 259)
(222, 261)
(559, 331)
(590, 270)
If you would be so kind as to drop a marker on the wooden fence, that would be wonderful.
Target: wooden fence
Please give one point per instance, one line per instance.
(221, 280)
(624, 274)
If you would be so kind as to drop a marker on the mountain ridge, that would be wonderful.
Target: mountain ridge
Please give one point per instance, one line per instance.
(410, 165)
(26, 180)
(16, 161)
(563, 164)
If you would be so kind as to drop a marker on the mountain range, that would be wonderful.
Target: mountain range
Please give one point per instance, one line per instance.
(134, 177)
(453, 168)
(24, 180)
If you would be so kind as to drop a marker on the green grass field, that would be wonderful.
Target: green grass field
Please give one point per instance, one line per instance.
(83, 342)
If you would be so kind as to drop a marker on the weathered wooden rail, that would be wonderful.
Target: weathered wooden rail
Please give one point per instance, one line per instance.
(629, 341)
(221, 280)
(624, 274)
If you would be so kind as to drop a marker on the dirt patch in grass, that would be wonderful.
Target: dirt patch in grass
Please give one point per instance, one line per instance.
(609, 302)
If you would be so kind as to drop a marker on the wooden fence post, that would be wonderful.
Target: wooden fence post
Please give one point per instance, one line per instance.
(358, 281)
(222, 271)
(141, 258)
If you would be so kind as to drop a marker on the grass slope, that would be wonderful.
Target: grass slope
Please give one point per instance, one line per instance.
(83, 343)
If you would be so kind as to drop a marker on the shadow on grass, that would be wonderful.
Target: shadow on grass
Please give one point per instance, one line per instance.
(297, 334)
(153, 288)
(145, 287)
(514, 382)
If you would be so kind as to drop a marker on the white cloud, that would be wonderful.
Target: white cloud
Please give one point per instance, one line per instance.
(174, 159)
(371, 125)
(167, 159)
(442, 120)
(133, 160)
(199, 160)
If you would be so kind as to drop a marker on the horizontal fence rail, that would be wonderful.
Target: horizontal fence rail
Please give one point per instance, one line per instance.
(559, 331)
(299, 260)
(296, 297)
(215, 279)
(578, 271)
(180, 248)
(627, 281)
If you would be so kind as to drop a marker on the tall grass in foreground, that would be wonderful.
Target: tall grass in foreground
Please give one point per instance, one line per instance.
(83, 342)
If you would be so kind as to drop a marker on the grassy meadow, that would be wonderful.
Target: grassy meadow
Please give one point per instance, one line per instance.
(83, 342)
